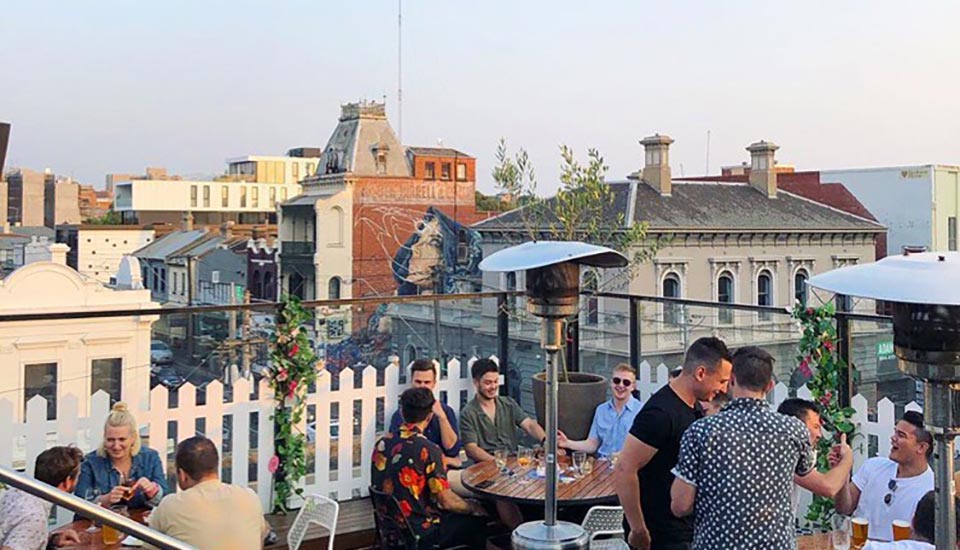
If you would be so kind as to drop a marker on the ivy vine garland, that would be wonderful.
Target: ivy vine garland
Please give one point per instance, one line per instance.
(293, 369)
(818, 360)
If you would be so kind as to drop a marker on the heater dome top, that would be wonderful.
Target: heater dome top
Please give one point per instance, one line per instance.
(924, 278)
(534, 254)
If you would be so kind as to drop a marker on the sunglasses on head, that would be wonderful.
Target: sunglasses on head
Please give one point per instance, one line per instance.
(617, 381)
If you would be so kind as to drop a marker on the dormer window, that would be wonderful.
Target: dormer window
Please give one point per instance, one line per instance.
(380, 151)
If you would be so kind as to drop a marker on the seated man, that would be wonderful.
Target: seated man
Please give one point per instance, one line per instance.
(808, 412)
(410, 468)
(923, 527)
(205, 512)
(612, 419)
(490, 421)
(23, 517)
(442, 430)
(888, 489)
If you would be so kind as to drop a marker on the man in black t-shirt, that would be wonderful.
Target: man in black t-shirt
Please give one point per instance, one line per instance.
(650, 451)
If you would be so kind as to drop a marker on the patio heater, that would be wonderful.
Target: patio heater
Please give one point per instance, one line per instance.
(922, 289)
(553, 294)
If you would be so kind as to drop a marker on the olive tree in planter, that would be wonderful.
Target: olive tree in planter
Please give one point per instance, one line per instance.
(582, 210)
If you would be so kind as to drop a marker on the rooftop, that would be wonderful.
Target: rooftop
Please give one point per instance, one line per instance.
(437, 152)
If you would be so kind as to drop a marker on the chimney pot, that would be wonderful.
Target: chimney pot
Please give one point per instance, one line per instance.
(656, 168)
(187, 222)
(763, 167)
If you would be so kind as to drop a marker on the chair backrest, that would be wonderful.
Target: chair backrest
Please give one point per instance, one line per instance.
(603, 520)
(393, 531)
(317, 509)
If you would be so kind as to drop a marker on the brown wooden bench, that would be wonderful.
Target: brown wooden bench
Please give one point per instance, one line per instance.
(355, 528)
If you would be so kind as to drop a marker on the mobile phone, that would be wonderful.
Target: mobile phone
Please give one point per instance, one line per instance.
(485, 484)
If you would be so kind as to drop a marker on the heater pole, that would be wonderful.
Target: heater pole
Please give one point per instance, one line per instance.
(946, 514)
(552, 344)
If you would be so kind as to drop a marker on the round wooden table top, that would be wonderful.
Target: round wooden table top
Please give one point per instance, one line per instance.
(598, 487)
(818, 541)
(94, 540)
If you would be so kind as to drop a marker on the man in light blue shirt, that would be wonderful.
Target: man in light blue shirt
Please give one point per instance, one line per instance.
(612, 419)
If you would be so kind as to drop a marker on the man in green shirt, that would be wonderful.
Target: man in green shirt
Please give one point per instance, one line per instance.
(490, 421)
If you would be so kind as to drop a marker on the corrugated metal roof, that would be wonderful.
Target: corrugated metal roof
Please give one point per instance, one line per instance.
(169, 244)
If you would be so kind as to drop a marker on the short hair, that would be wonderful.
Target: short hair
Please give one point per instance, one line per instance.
(915, 419)
(58, 464)
(798, 408)
(708, 351)
(924, 517)
(625, 367)
(120, 416)
(197, 456)
(416, 404)
(483, 366)
(423, 365)
(753, 368)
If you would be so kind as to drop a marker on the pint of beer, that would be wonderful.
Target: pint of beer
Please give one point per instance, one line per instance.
(901, 530)
(860, 528)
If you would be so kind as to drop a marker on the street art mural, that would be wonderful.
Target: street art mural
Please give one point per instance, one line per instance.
(440, 257)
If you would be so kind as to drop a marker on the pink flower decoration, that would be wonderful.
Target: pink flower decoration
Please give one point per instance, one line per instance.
(274, 464)
(804, 368)
(293, 387)
(281, 375)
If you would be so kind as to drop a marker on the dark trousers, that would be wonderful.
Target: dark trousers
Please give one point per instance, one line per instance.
(460, 529)
(657, 542)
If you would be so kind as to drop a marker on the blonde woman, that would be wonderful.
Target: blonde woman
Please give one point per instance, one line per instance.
(122, 470)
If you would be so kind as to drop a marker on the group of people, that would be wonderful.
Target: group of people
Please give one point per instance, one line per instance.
(690, 479)
(122, 472)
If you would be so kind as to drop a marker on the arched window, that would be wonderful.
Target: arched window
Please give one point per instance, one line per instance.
(800, 286)
(337, 235)
(333, 288)
(295, 285)
(591, 284)
(725, 295)
(671, 311)
(764, 292)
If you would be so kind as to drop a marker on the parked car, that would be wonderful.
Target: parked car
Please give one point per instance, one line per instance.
(171, 380)
(160, 353)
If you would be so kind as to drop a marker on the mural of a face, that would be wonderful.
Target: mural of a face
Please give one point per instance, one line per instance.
(426, 254)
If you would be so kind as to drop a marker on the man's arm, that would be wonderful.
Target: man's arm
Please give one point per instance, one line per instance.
(451, 502)
(682, 497)
(847, 499)
(448, 432)
(589, 445)
(533, 428)
(476, 453)
(470, 438)
(828, 484)
(635, 456)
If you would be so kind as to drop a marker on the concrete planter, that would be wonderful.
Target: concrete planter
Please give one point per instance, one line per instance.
(577, 400)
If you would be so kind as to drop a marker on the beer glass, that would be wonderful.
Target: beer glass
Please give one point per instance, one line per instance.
(840, 534)
(110, 534)
(860, 529)
(901, 529)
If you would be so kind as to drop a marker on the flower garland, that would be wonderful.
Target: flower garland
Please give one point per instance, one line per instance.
(294, 368)
(817, 360)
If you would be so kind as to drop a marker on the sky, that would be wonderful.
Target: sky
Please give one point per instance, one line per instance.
(114, 86)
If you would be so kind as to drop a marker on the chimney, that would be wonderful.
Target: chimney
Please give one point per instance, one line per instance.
(656, 168)
(186, 223)
(40, 249)
(226, 230)
(763, 169)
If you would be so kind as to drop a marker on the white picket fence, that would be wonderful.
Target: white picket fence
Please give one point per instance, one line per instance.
(349, 440)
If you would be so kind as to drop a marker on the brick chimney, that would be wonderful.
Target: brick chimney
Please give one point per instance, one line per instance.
(763, 167)
(656, 168)
(186, 223)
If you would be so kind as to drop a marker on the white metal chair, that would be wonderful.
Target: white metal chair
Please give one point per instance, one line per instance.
(602, 521)
(317, 509)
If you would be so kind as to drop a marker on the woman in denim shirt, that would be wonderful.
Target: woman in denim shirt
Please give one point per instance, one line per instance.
(122, 457)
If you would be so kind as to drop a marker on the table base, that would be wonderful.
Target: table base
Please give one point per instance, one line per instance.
(537, 535)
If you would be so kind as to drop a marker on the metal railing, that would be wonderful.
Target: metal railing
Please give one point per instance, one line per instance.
(91, 511)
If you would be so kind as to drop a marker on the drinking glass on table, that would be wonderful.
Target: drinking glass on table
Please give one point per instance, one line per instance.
(524, 460)
(587, 467)
(579, 458)
(500, 458)
(112, 535)
(861, 526)
(91, 495)
(840, 533)
(614, 458)
(901, 529)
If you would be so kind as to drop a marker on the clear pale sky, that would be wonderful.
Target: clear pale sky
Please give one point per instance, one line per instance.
(113, 86)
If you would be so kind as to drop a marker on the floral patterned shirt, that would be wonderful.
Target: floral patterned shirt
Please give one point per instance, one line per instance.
(408, 466)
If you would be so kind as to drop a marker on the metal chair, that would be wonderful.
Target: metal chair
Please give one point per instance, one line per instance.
(393, 531)
(602, 521)
(317, 509)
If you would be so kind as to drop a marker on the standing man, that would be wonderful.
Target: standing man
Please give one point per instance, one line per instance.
(650, 451)
(612, 419)
(407, 466)
(442, 429)
(888, 489)
(737, 468)
(490, 421)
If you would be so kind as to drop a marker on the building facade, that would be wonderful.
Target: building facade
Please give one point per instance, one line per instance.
(96, 250)
(61, 202)
(25, 197)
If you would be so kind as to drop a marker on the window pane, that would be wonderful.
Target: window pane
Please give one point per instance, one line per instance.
(445, 171)
(800, 287)
(224, 196)
(725, 296)
(193, 195)
(105, 374)
(461, 171)
(41, 379)
(206, 196)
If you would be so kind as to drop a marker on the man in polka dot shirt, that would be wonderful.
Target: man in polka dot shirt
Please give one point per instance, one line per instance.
(737, 468)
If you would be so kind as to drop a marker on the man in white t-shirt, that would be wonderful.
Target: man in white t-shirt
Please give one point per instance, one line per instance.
(923, 528)
(887, 489)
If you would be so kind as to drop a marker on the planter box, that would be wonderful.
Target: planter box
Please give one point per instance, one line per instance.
(576, 401)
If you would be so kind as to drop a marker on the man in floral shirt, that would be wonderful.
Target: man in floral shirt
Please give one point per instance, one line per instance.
(409, 467)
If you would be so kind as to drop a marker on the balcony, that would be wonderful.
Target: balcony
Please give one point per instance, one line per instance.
(298, 248)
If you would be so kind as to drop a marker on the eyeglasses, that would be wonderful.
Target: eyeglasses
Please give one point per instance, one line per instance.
(626, 382)
(892, 486)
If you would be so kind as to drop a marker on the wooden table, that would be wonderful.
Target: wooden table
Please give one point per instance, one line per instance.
(819, 541)
(94, 541)
(596, 488)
